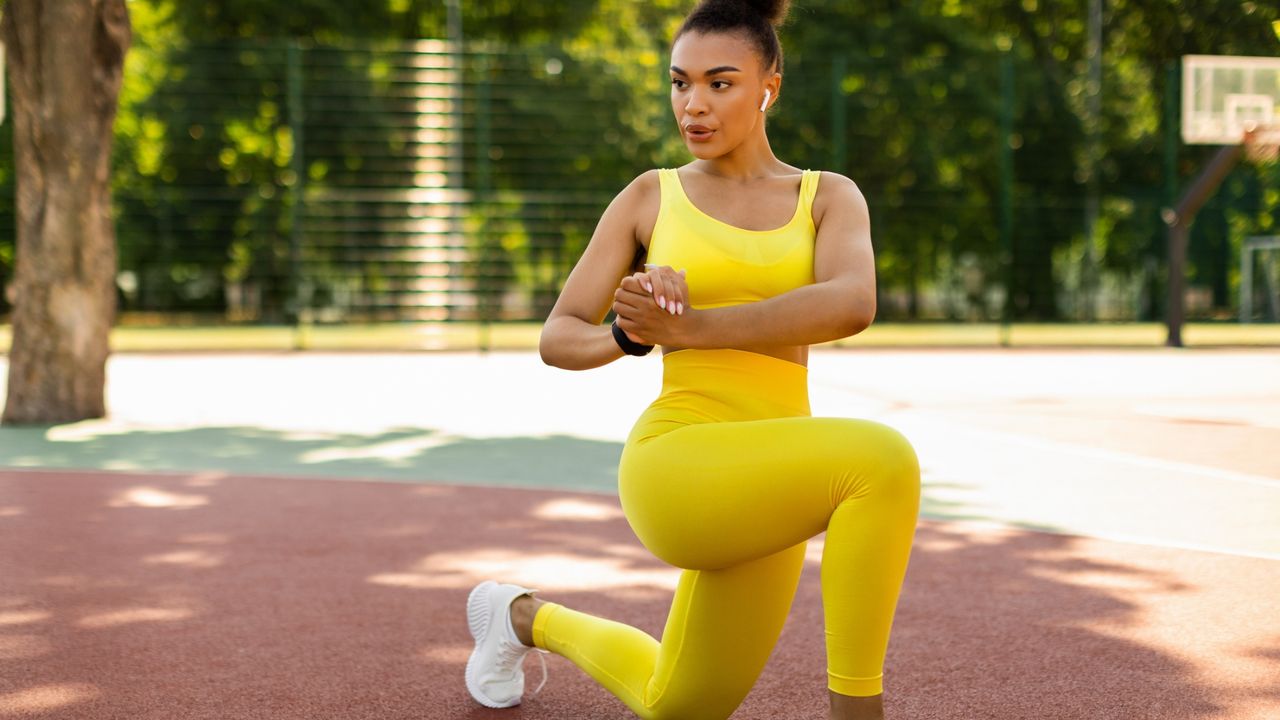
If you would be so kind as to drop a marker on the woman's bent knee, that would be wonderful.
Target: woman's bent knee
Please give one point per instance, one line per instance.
(896, 475)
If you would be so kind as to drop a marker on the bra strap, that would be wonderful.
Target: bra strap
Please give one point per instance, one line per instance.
(809, 189)
(669, 185)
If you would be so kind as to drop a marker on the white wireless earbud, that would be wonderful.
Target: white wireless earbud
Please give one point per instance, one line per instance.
(765, 104)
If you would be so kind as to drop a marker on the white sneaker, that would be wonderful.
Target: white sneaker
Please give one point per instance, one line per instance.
(495, 673)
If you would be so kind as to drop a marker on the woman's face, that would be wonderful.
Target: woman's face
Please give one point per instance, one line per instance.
(717, 86)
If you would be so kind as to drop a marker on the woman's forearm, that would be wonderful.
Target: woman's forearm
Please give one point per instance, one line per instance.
(571, 343)
(807, 315)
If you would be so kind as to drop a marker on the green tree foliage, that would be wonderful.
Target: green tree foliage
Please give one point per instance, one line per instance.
(569, 98)
(921, 100)
(923, 97)
(209, 139)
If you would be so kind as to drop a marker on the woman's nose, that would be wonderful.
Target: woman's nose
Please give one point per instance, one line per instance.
(696, 104)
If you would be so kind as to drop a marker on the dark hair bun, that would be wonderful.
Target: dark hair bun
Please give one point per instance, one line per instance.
(757, 18)
(775, 11)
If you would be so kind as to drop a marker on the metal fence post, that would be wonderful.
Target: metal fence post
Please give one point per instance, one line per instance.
(1172, 90)
(484, 179)
(297, 192)
(1006, 188)
(838, 111)
(1246, 283)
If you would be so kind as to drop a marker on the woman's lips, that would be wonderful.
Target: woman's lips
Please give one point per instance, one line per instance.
(698, 133)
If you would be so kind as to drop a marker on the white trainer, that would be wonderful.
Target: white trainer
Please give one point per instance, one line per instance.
(495, 672)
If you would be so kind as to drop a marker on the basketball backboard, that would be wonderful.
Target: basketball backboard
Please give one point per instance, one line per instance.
(1225, 95)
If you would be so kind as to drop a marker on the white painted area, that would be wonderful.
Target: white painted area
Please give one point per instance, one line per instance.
(1010, 475)
(466, 394)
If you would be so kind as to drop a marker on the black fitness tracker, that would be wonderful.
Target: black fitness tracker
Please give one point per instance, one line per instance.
(629, 346)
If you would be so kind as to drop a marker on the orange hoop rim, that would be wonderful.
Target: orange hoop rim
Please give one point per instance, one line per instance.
(1262, 144)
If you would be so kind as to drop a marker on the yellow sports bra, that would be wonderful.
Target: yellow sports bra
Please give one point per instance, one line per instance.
(727, 265)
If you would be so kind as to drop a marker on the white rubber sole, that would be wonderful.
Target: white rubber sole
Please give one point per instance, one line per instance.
(478, 621)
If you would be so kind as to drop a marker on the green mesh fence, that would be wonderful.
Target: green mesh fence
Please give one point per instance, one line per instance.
(278, 182)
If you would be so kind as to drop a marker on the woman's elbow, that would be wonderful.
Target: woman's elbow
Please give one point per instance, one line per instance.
(860, 318)
(559, 347)
(546, 351)
(547, 345)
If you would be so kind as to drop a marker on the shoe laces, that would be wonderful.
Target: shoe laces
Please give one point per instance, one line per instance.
(540, 652)
(510, 656)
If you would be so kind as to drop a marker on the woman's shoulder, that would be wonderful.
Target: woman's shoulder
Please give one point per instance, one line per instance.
(636, 205)
(835, 185)
(645, 185)
(834, 181)
(835, 190)
(649, 178)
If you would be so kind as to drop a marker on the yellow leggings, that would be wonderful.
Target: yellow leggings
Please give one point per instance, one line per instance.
(727, 475)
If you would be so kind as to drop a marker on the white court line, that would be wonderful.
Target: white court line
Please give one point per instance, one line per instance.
(885, 406)
(1155, 541)
(1117, 456)
(1120, 537)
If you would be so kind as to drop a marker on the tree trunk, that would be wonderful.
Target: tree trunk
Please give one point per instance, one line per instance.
(65, 62)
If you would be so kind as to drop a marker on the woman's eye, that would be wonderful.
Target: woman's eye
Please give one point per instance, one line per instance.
(678, 83)
(720, 84)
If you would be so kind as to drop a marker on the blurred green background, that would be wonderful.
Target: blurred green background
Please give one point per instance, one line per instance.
(330, 174)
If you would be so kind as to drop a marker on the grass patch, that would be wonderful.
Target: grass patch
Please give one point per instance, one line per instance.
(524, 336)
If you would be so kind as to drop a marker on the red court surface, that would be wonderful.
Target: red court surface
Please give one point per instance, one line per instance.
(208, 595)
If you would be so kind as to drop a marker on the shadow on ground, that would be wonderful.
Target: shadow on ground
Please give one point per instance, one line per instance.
(215, 596)
(412, 455)
(400, 454)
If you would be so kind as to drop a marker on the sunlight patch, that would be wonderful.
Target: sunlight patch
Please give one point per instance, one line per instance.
(133, 615)
(22, 617)
(456, 654)
(432, 491)
(399, 449)
(308, 436)
(84, 431)
(206, 479)
(11, 511)
(150, 497)
(189, 558)
(43, 698)
(636, 552)
(545, 571)
(121, 465)
(813, 552)
(581, 510)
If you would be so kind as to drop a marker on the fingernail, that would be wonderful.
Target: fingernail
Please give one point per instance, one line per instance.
(648, 287)
(672, 308)
(680, 308)
(662, 302)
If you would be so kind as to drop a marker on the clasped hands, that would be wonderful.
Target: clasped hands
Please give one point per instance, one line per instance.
(653, 306)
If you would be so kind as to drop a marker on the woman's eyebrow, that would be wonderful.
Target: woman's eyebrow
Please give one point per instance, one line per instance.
(713, 71)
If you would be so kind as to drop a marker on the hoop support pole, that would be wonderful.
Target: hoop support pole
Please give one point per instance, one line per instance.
(1179, 219)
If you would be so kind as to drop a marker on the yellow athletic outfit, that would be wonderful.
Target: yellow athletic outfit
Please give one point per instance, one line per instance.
(727, 475)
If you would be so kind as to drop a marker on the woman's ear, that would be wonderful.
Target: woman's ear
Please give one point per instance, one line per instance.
(771, 88)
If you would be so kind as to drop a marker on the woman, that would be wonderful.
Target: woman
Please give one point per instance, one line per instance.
(726, 474)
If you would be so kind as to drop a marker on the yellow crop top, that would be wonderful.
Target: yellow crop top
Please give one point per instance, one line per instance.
(727, 265)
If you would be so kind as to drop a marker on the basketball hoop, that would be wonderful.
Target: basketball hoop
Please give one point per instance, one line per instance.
(1262, 144)
(1232, 101)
